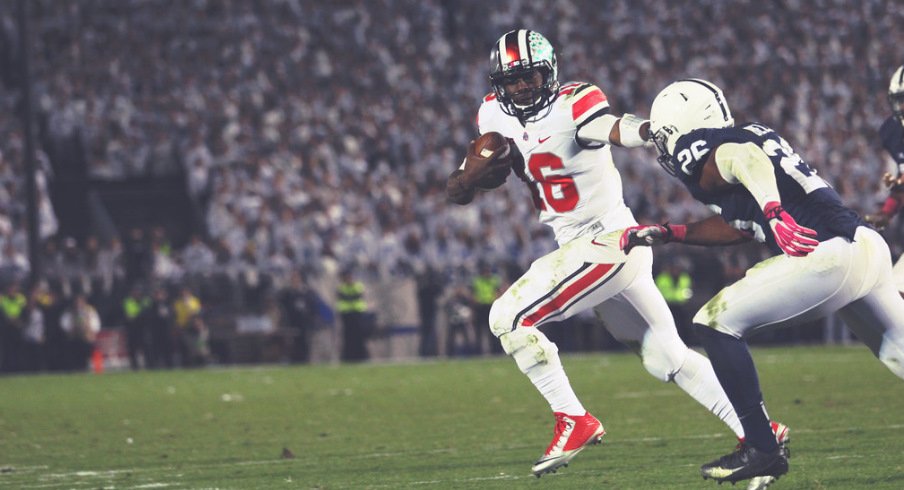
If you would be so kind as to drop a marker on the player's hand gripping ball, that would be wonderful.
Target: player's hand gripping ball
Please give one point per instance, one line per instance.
(489, 161)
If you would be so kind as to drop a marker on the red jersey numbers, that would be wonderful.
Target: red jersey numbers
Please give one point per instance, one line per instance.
(558, 191)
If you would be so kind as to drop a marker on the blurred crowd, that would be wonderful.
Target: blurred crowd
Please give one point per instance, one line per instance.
(316, 136)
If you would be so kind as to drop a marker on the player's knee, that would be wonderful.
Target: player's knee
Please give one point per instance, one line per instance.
(707, 321)
(529, 347)
(501, 317)
(662, 362)
(892, 355)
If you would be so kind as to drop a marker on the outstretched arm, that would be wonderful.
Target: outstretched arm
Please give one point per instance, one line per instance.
(711, 231)
(628, 131)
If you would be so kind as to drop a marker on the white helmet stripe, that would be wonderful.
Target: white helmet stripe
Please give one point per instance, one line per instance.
(523, 48)
(712, 88)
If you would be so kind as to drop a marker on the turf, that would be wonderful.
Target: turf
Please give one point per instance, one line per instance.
(448, 424)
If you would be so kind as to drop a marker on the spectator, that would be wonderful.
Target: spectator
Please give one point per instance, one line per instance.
(352, 310)
(186, 308)
(158, 320)
(134, 308)
(13, 320)
(485, 288)
(34, 332)
(299, 305)
(80, 324)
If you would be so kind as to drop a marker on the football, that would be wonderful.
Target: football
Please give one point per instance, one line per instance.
(485, 145)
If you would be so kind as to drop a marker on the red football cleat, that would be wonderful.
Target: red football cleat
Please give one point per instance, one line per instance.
(570, 435)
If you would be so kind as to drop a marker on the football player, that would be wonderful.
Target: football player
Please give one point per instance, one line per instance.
(564, 132)
(826, 259)
(892, 134)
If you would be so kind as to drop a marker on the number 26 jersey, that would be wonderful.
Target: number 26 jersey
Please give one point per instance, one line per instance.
(805, 196)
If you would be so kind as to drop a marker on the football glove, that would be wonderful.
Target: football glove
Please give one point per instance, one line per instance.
(648, 235)
(795, 240)
(488, 171)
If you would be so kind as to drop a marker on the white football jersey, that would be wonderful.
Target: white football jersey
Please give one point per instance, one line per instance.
(576, 190)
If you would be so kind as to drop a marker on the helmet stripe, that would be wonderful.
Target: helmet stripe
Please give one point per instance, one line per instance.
(509, 46)
(715, 92)
(523, 34)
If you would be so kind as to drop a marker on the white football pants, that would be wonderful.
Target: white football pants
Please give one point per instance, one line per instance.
(898, 273)
(592, 272)
(852, 278)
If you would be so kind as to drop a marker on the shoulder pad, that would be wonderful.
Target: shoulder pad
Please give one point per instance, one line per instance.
(586, 100)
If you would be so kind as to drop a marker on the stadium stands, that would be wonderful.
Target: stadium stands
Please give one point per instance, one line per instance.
(314, 136)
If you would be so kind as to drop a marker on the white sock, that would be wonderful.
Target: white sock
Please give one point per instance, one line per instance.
(698, 379)
(553, 384)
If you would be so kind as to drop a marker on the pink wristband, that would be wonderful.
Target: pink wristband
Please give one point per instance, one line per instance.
(891, 206)
(679, 232)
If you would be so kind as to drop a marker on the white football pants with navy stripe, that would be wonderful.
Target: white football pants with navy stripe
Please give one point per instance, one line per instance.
(852, 278)
(592, 272)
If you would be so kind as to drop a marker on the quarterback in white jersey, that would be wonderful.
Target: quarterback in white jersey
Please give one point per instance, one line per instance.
(576, 189)
(564, 134)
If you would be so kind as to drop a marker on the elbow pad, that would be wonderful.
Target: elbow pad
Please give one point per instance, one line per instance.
(747, 164)
(629, 130)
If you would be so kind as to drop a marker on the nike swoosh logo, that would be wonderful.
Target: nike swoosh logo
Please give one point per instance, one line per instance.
(543, 140)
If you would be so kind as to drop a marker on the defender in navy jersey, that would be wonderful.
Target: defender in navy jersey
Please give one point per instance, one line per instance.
(828, 259)
(892, 135)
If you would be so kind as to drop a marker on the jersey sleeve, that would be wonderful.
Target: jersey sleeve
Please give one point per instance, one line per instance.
(892, 135)
(693, 149)
(587, 102)
(482, 119)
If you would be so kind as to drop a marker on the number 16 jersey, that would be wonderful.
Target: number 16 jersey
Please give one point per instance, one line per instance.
(576, 188)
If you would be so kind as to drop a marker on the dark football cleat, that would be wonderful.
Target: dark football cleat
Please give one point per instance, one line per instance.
(783, 438)
(745, 463)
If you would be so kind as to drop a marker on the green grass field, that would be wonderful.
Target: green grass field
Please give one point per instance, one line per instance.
(451, 424)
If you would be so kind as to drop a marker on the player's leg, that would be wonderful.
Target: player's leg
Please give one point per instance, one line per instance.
(639, 317)
(878, 317)
(557, 286)
(776, 292)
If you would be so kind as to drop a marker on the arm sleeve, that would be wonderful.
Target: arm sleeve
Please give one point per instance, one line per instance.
(596, 130)
(747, 164)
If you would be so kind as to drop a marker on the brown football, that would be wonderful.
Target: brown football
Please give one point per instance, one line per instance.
(489, 142)
(485, 145)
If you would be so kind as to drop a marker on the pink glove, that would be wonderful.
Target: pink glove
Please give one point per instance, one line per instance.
(647, 235)
(793, 239)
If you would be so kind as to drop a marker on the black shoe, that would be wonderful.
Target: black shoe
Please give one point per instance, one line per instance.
(745, 463)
